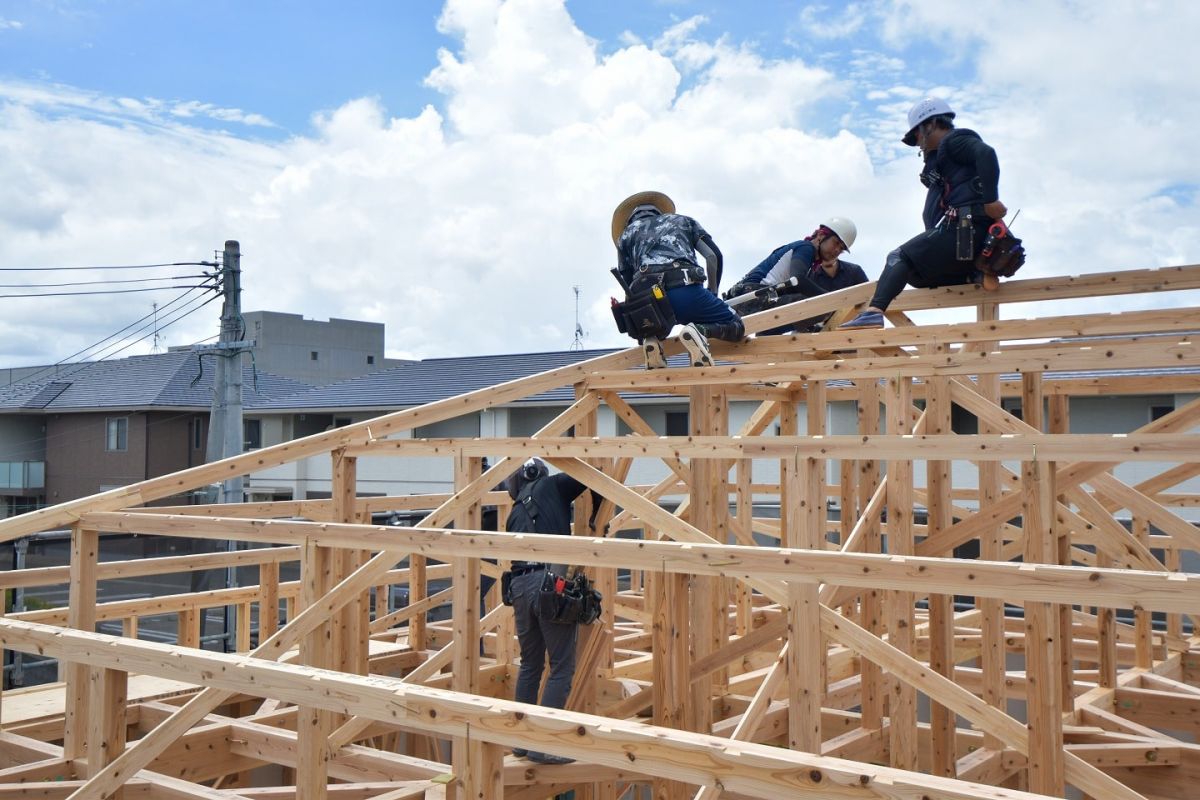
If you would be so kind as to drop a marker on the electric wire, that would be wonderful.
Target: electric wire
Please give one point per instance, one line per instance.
(80, 353)
(113, 266)
(101, 283)
(184, 313)
(110, 291)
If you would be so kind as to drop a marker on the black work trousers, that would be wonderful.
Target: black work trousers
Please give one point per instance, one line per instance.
(927, 261)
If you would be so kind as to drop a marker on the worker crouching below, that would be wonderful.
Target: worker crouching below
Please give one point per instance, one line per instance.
(547, 606)
(799, 270)
(962, 174)
(664, 286)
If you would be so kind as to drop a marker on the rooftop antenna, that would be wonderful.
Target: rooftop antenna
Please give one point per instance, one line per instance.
(579, 332)
(157, 347)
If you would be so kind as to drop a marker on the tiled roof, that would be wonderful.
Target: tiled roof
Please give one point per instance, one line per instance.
(165, 380)
(420, 382)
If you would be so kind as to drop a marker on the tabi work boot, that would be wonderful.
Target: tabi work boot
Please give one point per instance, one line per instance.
(653, 350)
(866, 319)
(696, 343)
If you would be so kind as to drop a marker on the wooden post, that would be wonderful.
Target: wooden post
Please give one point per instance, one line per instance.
(1060, 422)
(708, 507)
(1142, 628)
(467, 755)
(1042, 673)
(81, 615)
(744, 621)
(805, 490)
(941, 609)
(991, 548)
(106, 718)
(669, 643)
(873, 696)
(268, 603)
(903, 707)
(313, 725)
(350, 626)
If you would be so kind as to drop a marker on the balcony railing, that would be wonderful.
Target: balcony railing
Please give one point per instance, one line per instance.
(22, 475)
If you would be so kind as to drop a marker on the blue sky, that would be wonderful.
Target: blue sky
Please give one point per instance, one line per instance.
(448, 168)
(287, 60)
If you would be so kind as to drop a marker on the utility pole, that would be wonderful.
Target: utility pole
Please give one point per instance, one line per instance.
(225, 431)
(225, 434)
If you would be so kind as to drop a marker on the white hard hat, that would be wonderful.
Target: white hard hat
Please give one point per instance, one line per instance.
(845, 229)
(923, 110)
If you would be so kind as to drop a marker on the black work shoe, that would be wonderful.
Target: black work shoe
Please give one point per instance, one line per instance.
(520, 752)
(549, 760)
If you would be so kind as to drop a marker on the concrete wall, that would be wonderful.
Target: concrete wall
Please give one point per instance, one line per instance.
(285, 345)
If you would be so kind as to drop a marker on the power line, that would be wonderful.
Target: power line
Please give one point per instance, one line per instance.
(80, 353)
(112, 266)
(109, 291)
(185, 313)
(101, 283)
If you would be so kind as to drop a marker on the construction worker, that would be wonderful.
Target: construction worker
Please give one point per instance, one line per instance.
(657, 247)
(543, 504)
(962, 174)
(812, 264)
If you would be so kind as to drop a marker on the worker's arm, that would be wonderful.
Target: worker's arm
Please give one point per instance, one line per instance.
(708, 249)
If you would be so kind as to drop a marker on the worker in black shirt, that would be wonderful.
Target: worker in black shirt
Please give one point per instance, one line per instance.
(962, 175)
(543, 504)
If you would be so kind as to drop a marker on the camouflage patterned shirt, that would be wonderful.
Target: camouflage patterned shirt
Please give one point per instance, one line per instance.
(655, 242)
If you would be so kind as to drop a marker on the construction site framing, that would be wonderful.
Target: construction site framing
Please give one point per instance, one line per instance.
(808, 655)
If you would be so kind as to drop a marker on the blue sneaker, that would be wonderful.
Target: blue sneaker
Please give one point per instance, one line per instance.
(865, 319)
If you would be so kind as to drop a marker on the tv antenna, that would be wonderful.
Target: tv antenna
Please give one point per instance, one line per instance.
(579, 332)
(157, 346)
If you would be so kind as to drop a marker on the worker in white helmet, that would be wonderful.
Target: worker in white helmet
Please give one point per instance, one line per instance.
(812, 265)
(962, 175)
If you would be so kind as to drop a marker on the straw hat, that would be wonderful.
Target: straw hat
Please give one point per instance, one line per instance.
(625, 210)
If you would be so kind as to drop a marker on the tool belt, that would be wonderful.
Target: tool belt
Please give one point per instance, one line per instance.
(569, 601)
(680, 273)
(646, 313)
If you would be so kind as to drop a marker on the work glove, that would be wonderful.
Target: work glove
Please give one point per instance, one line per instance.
(739, 289)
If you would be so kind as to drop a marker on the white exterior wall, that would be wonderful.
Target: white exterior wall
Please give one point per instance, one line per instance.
(409, 475)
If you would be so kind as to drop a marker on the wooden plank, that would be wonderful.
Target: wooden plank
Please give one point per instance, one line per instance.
(699, 555)
(755, 770)
(902, 745)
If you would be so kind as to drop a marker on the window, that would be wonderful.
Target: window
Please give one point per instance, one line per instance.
(198, 433)
(1158, 412)
(116, 433)
(677, 423)
(341, 422)
(251, 434)
(313, 355)
(370, 360)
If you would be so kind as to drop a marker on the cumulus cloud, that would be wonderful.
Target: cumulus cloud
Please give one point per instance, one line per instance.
(10, 24)
(464, 225)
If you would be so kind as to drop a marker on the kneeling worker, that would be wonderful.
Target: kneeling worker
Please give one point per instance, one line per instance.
(807, 268)
(656, 250)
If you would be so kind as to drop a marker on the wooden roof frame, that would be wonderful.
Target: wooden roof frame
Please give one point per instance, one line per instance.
(790, 669)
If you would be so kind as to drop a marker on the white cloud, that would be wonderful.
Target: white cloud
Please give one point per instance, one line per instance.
(10, 24)
(821, 22)
(464, 227)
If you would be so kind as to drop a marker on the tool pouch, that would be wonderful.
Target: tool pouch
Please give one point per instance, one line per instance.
(1008, 256)
(568, 601)
(645, 314)
(965, 240)
(506, 588)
